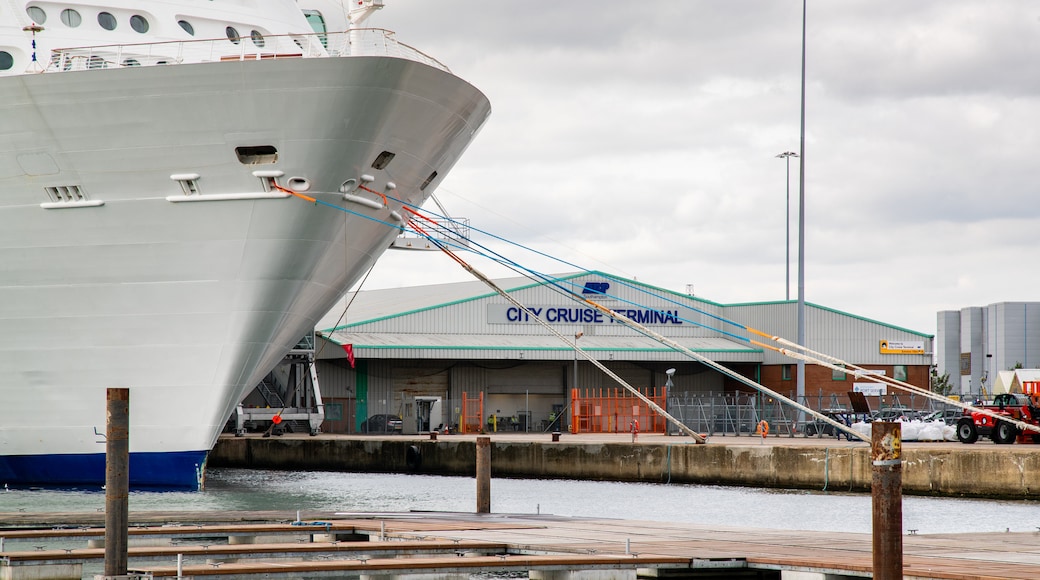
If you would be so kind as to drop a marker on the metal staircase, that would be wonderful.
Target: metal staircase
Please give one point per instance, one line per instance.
(291, 395)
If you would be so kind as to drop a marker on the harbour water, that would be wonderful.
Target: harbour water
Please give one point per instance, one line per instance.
(834, 510)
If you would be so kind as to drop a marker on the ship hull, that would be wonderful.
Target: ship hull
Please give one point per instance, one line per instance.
(189, 295)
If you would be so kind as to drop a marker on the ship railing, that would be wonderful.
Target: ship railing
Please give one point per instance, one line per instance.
(454, 234)
(352, 43)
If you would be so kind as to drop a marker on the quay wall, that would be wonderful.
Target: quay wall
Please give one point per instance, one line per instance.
(1011, 472)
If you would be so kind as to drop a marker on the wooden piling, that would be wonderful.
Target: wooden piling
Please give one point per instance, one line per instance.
(483, 475)
(117, 482)
(887, 500)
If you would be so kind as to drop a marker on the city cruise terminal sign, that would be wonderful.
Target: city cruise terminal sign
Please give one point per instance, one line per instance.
(555, 314)
(509, 314)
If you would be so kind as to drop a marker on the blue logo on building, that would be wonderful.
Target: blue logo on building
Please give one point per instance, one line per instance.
(595, 288)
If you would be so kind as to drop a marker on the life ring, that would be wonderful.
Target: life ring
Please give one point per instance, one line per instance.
(763, 428)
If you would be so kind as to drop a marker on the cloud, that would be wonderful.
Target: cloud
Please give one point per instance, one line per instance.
(640, 138)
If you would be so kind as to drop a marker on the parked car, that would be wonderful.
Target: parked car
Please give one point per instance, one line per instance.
(382, 424)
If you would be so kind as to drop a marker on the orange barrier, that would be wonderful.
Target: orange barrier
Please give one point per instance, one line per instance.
(472, 419)
(616, 411)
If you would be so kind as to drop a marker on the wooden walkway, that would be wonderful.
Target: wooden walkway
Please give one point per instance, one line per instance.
(469, 543)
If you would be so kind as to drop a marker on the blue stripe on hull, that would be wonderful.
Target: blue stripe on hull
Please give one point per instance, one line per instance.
(174, 470)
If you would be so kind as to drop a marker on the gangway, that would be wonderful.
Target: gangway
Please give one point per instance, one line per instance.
(294, 382)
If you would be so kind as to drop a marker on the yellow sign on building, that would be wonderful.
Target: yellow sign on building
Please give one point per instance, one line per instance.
(902, 347)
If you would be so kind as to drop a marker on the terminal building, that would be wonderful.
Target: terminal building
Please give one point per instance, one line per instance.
(417, 353)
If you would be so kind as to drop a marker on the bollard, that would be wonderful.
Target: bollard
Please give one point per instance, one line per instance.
(117, 482)
(483, 475)
(433, 435)
(556, 436)
(887, 500)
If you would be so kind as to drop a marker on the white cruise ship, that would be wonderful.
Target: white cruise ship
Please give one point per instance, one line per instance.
(147, 237)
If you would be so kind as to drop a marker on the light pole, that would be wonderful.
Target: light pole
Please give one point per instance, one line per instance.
(667, 395)
(787, 155)
(800, 383)
(577, 335)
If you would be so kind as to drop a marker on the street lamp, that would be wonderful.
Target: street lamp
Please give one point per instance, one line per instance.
(787, 155)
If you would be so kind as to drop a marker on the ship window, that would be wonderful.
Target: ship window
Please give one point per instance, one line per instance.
(139, 23)
(428, 180)
(71, 18)
(37, 14)
(187, 27)
(6, 60)
(258, 39)
(316, 20)
(257, 155)
(232, 34)
(106, 20)
(131, 62)
(383, 159)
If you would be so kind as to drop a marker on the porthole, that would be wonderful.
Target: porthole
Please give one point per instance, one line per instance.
(6, 60)
(187, 27)
(71, 18)
(37, 14)
(106, 20)
(258, 39)
(139, 23)
(232, 34)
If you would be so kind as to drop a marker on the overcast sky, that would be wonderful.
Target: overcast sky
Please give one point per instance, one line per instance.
(640, 138)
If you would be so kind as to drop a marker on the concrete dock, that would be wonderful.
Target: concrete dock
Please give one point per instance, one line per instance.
(929, 468)
(543, 546)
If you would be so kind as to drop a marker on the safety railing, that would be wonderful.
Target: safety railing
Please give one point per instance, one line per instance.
(616, 411)
(740, 414)
(471, 419)
(359, 42)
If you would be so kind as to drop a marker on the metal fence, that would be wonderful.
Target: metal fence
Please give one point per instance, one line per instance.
(739, 414)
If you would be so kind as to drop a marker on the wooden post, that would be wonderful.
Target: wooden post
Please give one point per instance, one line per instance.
(887, 500)
(483, 475)
(117, 482)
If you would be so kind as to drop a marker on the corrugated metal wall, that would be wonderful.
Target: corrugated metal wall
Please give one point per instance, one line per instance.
(850, 337)
(471, 317)
(1012, 337)
(972, 341)
(335, 379)
(948, 347)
